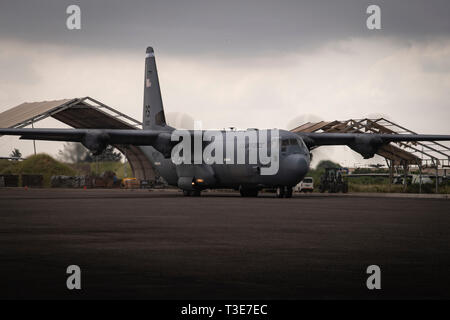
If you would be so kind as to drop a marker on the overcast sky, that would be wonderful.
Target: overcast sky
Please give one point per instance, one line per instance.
(234, 63)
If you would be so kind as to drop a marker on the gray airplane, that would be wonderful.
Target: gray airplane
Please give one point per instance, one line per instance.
(290, 151)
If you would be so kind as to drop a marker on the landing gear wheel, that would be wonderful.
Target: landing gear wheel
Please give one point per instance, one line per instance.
(248, 192)
(186, 193)
(288, 192)
(196, 193)
(280, 192)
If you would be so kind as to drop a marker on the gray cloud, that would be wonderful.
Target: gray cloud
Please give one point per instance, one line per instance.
(219, 27)
(437, 65)
(300, 57)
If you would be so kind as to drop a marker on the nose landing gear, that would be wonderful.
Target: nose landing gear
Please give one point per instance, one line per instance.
(284, 192)
(189, 193)
(248, 192)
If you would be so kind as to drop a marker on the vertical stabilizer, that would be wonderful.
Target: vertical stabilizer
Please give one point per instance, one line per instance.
(153, 113)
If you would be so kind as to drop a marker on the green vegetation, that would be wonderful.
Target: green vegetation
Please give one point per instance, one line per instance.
(46, 166)
(382, 188)
(398, 188)
(74, 152)
(42, 164)
(114, 166)
(5, 164)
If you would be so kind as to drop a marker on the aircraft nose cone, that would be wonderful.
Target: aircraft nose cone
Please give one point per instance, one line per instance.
(297, 166)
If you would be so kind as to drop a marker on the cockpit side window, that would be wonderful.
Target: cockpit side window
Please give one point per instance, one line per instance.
(284, 144)
(303, 145)
(292, 145)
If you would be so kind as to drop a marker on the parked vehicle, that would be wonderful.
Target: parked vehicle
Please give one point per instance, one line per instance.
(426, 179)
(130, 183)
(306, 185)
(333, 180)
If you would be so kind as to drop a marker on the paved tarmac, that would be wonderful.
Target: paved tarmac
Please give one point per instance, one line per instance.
(161, 245)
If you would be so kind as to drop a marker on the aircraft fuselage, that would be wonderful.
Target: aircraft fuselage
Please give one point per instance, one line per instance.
(291, 154)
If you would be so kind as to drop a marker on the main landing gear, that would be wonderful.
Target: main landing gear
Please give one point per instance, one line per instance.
(191, 193)
(248, 192)
(284, 192)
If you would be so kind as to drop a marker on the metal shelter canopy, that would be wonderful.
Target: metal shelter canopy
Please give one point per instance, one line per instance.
(82, 113)
(423, 154)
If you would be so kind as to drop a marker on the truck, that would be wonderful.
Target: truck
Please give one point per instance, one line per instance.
(333, 180)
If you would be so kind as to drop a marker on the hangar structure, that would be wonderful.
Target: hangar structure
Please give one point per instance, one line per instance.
(424, 155)
(89, 113)
(79, 113)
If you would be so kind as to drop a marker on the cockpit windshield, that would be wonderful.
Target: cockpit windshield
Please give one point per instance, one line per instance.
(292, 145)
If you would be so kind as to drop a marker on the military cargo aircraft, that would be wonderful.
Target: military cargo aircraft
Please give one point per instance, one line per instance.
(247, 160)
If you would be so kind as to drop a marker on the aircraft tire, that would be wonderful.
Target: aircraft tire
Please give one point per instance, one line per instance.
(196, 193)
(186, 193)
(280, 192)
(288, 192)
(253, 193)
(248, 192)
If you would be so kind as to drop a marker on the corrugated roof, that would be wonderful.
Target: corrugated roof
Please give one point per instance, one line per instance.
(390, 151)
(78, 112)
(81, 113)
(27, 110)
(310, 127)
(83, 116)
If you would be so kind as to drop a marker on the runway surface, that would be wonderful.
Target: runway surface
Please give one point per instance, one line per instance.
(161, 245)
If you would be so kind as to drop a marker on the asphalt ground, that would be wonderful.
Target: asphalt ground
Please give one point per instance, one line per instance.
(161, 245)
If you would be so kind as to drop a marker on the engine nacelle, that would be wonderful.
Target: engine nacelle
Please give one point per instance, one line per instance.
(163, 144)
(366, 146)
(186, 183)
(96, 141)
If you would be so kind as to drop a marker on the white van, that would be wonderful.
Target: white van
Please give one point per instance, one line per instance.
(306, 185)
(426, 179)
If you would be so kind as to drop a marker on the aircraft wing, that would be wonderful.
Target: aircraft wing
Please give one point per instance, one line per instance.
(98, 139)
(367, 144)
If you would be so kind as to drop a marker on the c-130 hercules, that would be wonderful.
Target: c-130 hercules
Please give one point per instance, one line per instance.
(234, 153)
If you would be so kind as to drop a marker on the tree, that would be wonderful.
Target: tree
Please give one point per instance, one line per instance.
(110, 155)
(74, 152)
(16, 154)
(327, 164)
